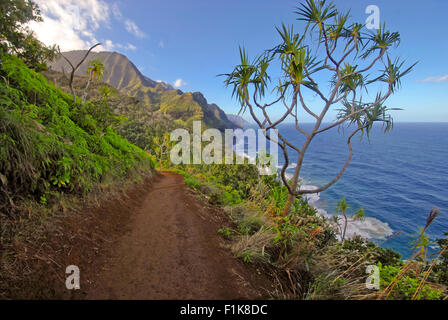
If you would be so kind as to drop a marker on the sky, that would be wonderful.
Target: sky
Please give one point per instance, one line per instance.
(187, 43)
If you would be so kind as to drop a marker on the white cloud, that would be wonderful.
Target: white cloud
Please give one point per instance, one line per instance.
(130, 47)
(179, 83)
(131, 27)
(116, 11)
(108, 45)
(435, 79)
(161, 44)
(72, 24)
(127, 47)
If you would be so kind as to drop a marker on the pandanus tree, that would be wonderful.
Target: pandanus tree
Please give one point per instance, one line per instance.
(95, 71)
(347, 56)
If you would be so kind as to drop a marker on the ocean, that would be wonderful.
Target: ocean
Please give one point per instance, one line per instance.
(397, 177)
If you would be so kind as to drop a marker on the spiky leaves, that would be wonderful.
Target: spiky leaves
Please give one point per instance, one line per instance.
(316, 12)
(364, 115)
(382, 40)
(351, 80)
(95, 69)
(247, 73)
(329, 47)
(393, 72)
(296, 59)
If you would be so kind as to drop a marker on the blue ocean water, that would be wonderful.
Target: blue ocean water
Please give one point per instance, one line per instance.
(396, 177)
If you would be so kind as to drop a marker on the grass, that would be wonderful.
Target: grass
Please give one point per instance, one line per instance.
(300, 252)
(55, 156)
(51, 145)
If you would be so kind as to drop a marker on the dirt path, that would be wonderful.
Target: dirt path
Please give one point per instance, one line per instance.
(172, 251)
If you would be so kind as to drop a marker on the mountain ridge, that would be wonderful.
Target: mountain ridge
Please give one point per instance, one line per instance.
(122, 74)
(238, 120)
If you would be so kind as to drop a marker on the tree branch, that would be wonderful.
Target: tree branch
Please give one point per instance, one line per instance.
(355, 113)
(74, 68)
(339, 175)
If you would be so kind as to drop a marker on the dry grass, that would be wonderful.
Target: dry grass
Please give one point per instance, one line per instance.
(305, 271)
(255, 248)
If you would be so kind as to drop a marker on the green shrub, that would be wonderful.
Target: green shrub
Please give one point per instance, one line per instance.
(406, 287)
(193, 182)
(231, 198)
(386, 256)
(225, 232)
(441, 269)
(49, 144)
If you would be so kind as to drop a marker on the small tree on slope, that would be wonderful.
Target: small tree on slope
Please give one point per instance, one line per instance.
(350, 58)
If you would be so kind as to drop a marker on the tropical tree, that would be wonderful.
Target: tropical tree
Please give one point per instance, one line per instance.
(162, 147)
(106, 93)
(95, 71)
(342, 207)
(348, 58)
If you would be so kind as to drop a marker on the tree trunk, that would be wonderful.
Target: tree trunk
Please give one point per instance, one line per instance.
(160, 161)
(295, 178)
(84, 97)
(345, 227)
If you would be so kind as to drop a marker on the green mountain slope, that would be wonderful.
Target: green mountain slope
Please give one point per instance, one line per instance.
(122, 74)
(49, 145)
(137, 122)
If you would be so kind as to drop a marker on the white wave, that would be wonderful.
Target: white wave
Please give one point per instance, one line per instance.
(368, 227)
(291, 166)
(312, 198)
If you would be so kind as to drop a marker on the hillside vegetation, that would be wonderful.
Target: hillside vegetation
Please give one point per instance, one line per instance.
(133, 119)
(57, 150)
(300, 251)
(161, 97)
(49, 144)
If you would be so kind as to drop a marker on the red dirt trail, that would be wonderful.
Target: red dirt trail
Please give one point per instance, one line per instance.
(173, 251)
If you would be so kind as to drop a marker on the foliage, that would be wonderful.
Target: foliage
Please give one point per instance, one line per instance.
(225, 232)
(17, 39)
(410, 280)
(330, 47)
(131, 118)
(232, 198)
(342, 208)
(162, 148)
(193, 182)
(386, 256)
(441, 269)
(48, 145)
(407, 285)
(300, 249)
(239, 177)
(95, 69)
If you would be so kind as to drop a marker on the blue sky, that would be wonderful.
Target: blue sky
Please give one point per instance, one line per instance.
(188, 43)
